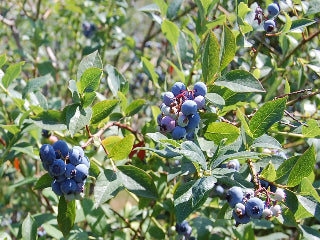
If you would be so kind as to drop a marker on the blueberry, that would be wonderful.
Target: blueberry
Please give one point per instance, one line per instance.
(88, 29)
(60, 178)
(200, 101)
(80, 187)
(189, 107)
(178, 133)
(85, 160)
(194, 121)
(159, 118)
(45, 133)
(190, 136)
(45, 166)
(234, 196)
(219, 190)
(248, 193)
(74, 156)
(240, 209)
(234, 164)
(70, 170)
(168, 98)
(242, 219)
(167, 124)
(264, 184)
(68, 186)
(273, 9)
(56, 188)
(254, 207)
(82, 172)
(269, 25)
(177, 88)
(57, 168)
(182, 120)
(200, 89)
(61, 149)
(47, 154)
(184, 228)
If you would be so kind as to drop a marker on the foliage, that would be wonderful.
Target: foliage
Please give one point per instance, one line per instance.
(92, 74)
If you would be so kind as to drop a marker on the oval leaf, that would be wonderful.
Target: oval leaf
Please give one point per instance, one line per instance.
(102, 110)
(218, 131)
(29, 228)
(228, 47)
(210, 57)
(170, 31)
(134, 107)
(50, 120)
(43, 182)
(91, 60)
(121, 150)
(90, 80)
(66, 215)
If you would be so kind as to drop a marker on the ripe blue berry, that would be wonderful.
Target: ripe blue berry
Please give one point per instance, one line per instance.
(68, 186)
(254, 207)
(273, 9)
(190, 136)
(45, 133)
(219, 190)
(85, 160)
(58, 167)
(194, 121)
(248, 193)
(242, 219)
(70, 170)
(167, 124)
(47, 154)
(200, 101)
(80, 150)
(80, 187)
(56, 188)
(82, 172)
(159, 118)
(234, 164)
(184, 228)
(177, 88)
(234, 196)
(269, 25)
(200, 89)
(60, 178)
(264, 184)
(168, 98)
(74, 156)
(178, 133)
(189, 107)
(61, 149)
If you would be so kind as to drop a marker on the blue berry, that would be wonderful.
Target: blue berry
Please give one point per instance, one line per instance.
(269, 25)
(56, 188)
(248, 193)
(70, 170)
(264, 184)
(184, 228)
(47, 154)
(200, 101)
(68, 186)
(189, 107)
(194, 121)
(80, 187)
(178, 133)
(254, 207)
(182, 120)
(82, 172)
(240, 209)
(190, 136)
(234, 164)
(85, 160)
(46, 166)
(57, 168)
(61, 149)
(234, 196)
(219, 190)
(200, 89)
(88, 29)
(242, 219)
(74, 156)
(167, 124)
(273, 9)
(177, 88)
(45, 133)
(80, 150)
(159, 118)
(168, 98)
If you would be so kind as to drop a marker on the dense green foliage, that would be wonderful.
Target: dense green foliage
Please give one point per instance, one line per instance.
(92, 73)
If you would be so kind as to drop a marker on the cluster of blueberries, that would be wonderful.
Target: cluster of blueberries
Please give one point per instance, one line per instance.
(273, 11)
(247, 207)
(68, 168)
(185, 229)
(179, 110)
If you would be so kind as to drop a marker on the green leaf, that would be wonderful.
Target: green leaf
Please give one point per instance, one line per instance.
(240, 81)
(173, 9)
(107, 186)
(43, 182)
(215, 98)
(162, 6)
(270, 113)
(66, 215)
(228, 47)
(116, 80)
(217, 131)
(287, 26)
(193, 153)
(121, 150)
(12, 72)
(149, 68)
(306, 188)
(266, 141)
(74, 91)
(3, 60)
(77, 118)
(50, 120)
(210, 57)
(191, 195)
(314, 7)
(88, 98)
(301, 23)
(14, 129)
(170, 31)
(36, 84)
(311, 205)
(137, 181)
(309, 233)
(29, 228)
(269, 173)
(244, 122)
(243, 9)
(286, 167)
(134, 107)
(101, 110)
(90, 80)
(313, 129)
(91, 60)
(302, 168)
(110, 141)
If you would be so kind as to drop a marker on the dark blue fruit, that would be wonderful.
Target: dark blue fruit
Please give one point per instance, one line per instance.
(74, 156)
(254, 207)
(82, 172)
(184, 228)
(70, 170)
(178, 133)
(234, 196)
(56, 188)
(189, 107)
(47, 154)
(177, 88)
(68, 186)
(168, 98)
(273, 9)
(193, 123)
(200, 89)
(269, 25)
(61, 149)
(57, 168)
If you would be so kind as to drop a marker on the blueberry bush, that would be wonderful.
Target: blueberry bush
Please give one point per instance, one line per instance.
(156, 119)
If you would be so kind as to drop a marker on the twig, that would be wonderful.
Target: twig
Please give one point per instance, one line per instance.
(255, 178)
(302, 97)
(292, 93)
(294, 118)
(288, 124)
